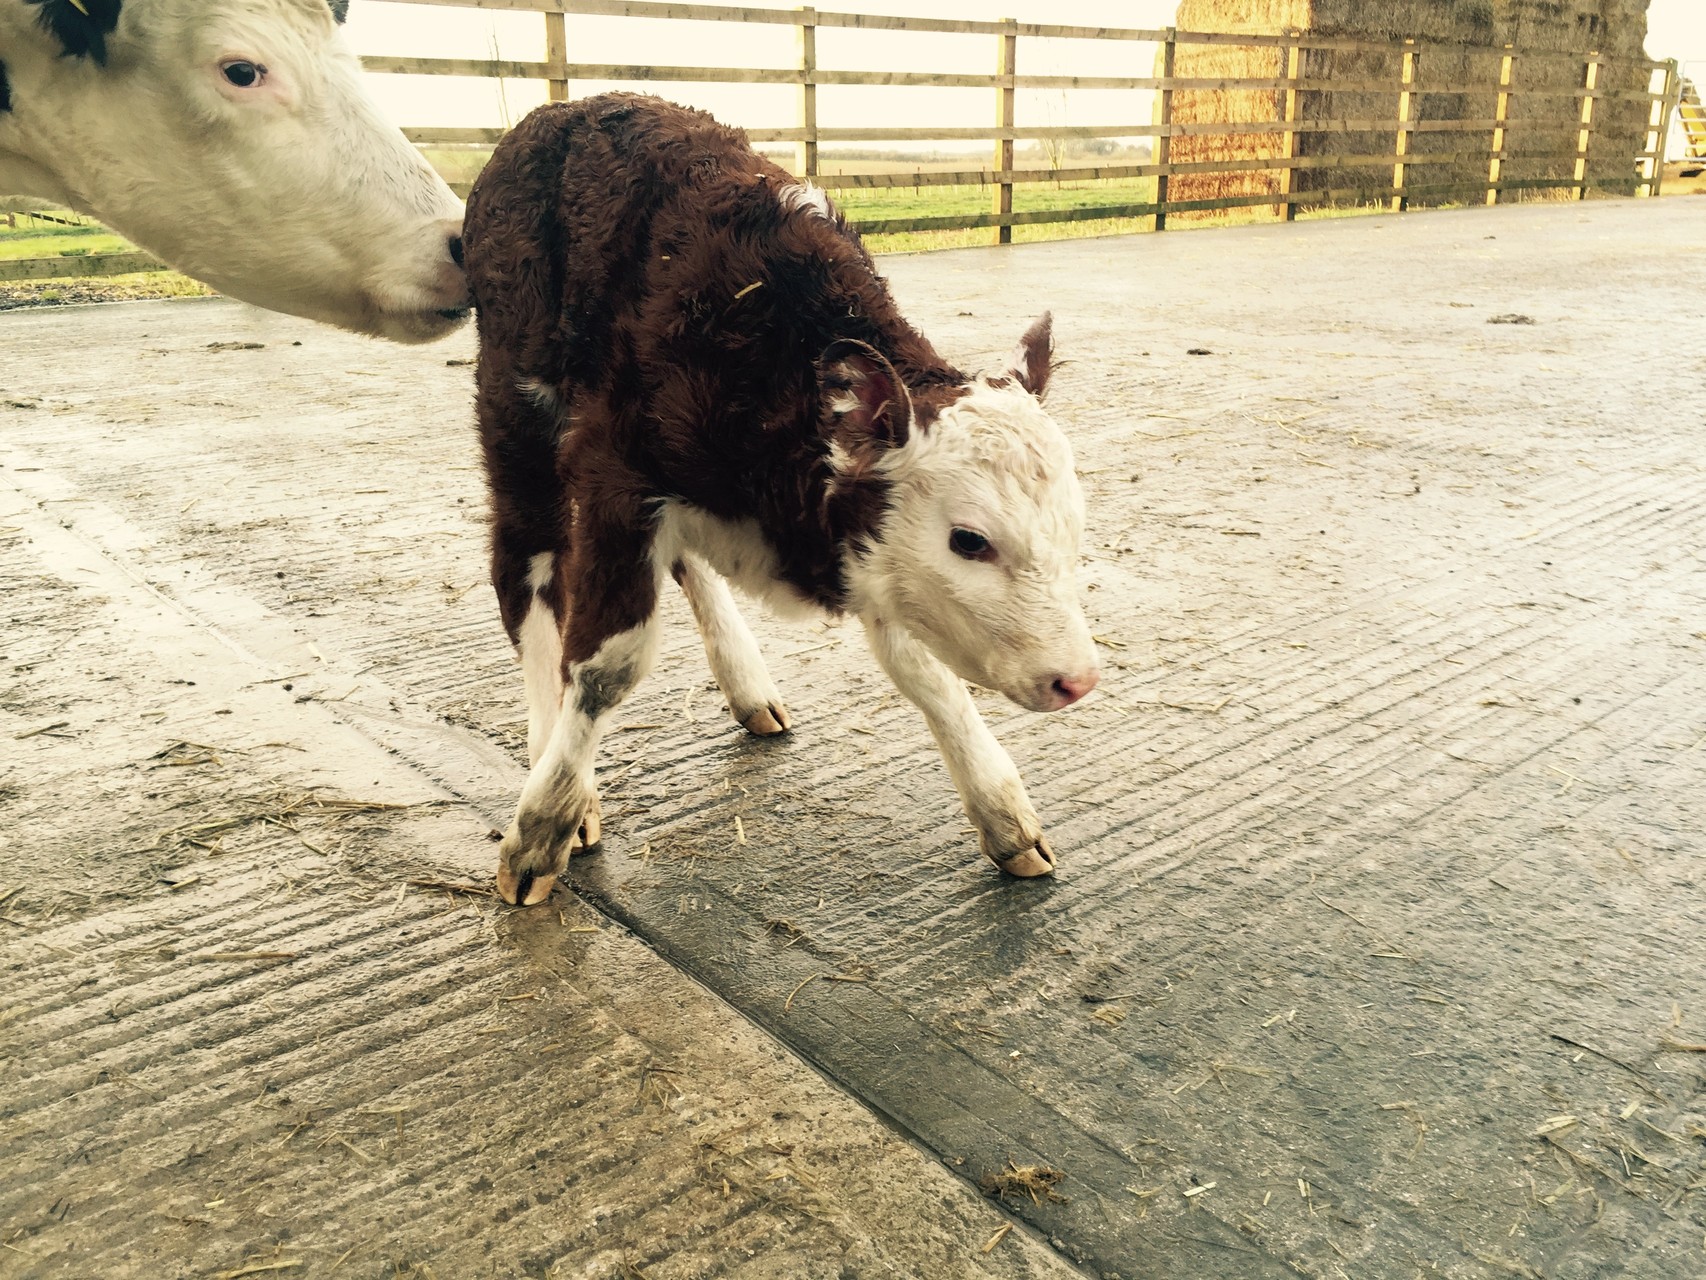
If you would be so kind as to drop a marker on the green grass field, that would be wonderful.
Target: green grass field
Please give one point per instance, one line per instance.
(44, 234)
(32, 236)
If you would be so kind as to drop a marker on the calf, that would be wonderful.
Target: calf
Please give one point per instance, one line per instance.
(690, 367)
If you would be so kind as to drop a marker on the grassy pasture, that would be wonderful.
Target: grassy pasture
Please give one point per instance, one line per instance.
(27, 235)
(63, 234)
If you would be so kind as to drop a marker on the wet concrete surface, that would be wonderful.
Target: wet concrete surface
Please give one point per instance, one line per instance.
(1375, 948)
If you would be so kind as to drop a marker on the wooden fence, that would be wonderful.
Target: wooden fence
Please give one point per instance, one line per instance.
(1300, 178)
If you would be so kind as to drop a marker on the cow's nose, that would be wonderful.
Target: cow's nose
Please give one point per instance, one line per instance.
(1068, 689)
(456, 250)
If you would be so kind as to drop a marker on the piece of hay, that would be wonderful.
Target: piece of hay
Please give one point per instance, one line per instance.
(1035, 1182)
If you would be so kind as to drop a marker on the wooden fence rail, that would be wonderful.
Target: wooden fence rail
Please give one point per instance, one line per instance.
(1298, 178)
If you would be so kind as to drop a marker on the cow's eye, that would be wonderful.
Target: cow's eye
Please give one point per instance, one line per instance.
(245, 75)
(970, 545)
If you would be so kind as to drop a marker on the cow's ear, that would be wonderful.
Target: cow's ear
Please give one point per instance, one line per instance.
(864, 402)
(1032, 360)
(80, 26)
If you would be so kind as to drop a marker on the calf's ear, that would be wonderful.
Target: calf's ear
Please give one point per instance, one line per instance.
(1032, 360)
(863, 400)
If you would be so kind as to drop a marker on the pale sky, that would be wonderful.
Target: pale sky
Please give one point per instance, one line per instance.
(1676, 28)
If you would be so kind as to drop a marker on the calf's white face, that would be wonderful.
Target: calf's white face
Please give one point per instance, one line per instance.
(234, 140)
(978, 550)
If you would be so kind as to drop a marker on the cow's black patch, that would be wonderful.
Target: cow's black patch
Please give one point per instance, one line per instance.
(80, 26)
(5, 90)
(340, 9)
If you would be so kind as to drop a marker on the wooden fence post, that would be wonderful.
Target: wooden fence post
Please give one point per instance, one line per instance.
(1007, 51)
(1406, 97)
(1288, 175)
(1501, 121)
(557, 53)
(1672, 100)
(1589, 84)
(1164, 118)
(805, 150)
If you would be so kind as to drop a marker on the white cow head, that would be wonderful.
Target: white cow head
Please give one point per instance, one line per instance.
(977, 551)
(234, 140)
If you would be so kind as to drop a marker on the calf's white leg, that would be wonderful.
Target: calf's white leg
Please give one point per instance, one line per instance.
(540, 644)
(559, 803)
(738, 666)
(1008, 829)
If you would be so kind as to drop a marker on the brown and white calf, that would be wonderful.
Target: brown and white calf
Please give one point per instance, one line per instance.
(689, 367)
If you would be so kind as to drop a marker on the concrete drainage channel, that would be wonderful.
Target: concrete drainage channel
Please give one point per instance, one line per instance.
(1367, 948)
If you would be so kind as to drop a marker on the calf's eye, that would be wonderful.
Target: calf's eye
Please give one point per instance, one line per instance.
(970, 545)
(245, 75)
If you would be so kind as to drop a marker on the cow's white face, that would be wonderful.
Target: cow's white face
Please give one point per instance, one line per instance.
(979, 547)
(234, 139)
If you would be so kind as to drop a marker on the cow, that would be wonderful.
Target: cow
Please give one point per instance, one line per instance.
(690, 368)
(234, 140)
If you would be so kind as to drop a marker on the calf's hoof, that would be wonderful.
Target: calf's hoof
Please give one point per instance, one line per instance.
(1028, 863)
(534, 853)
(524, 888)
(767, 721)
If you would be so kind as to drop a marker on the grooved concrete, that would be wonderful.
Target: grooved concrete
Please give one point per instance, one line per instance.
(1380, 900)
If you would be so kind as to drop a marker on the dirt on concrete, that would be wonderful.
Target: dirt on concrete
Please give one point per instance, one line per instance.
(1374, 949)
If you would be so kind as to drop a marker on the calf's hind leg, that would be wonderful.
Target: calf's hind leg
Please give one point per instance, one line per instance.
(520, 430)
(738, 666)
(611, 605)
(559, 803)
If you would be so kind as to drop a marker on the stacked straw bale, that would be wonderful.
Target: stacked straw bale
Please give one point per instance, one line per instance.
(1460, 43)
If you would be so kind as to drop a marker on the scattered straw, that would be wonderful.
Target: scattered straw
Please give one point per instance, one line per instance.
(997, 1238)
(1681, 1046)
(246, 955)
(282, 808)
(1601, 1053)
(1191, 1192)
(261, 1268)
(788, 1004)
(1035, 1182)
(455, 886)
(787, 928)
(1509, 1265)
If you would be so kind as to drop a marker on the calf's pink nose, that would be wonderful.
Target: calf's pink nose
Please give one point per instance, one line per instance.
(1071, 688)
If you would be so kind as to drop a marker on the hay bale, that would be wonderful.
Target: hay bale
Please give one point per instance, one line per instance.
(1462, 43)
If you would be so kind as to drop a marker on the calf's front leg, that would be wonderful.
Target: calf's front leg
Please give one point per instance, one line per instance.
(560, 801)
(1008, 829)
(731, 650)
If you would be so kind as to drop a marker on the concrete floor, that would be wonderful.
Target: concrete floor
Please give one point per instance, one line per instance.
(1375, 949)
